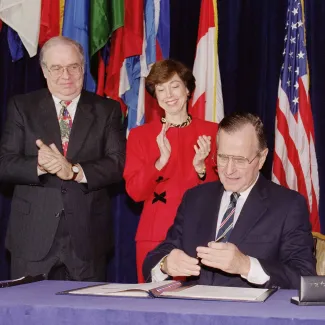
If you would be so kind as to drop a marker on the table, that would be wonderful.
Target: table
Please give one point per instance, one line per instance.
(37, 304)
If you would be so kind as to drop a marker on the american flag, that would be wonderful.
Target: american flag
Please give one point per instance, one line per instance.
(295, 163)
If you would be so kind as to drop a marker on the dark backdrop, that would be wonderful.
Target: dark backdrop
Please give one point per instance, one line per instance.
(251, 38)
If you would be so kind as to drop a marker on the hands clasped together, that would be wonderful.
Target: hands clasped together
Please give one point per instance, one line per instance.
(223, 256)
(202, 150)
(50, 160)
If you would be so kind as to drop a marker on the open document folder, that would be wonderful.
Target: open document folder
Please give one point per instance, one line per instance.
(174, 289)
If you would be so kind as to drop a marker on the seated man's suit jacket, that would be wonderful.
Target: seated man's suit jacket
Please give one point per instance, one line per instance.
(97, 143)
(273, 227)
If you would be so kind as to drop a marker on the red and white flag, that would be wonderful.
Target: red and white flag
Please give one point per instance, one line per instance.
(207, 102)
(295, 163)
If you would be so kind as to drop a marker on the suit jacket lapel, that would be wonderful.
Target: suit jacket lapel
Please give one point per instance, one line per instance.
(206, 230)
(82, 122)
(254, 208)
(48, 118)
(208, 223)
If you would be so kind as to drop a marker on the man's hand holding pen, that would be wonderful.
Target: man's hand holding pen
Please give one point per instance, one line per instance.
(178, 263)
(224, 256)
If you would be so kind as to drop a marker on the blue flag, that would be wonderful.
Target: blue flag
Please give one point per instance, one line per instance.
(16, 46)
(149, 18)
(75, 26)
(163, 34)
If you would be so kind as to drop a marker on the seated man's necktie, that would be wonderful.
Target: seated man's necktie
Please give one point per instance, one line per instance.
(65, 123)
(227, 223)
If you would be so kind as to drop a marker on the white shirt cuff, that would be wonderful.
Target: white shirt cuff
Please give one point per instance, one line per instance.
(40, 172)
(84, 179)
(156, 273)
(256, 273)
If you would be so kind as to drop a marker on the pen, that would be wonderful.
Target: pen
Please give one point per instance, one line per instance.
(218, 240)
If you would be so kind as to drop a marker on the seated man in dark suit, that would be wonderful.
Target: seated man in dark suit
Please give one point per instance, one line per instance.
(62, 147)
(243, 230)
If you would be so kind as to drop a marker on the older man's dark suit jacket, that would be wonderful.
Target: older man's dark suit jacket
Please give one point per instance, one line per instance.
(97, 142)
(273, 227)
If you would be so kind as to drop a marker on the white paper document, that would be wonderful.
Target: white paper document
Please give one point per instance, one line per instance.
(120, 289)
(217, 293)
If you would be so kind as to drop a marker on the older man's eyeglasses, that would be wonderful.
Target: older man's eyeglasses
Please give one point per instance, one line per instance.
(57, 71)
(238, 161)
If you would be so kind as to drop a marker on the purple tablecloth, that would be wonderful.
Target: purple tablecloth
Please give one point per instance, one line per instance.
(37, 304)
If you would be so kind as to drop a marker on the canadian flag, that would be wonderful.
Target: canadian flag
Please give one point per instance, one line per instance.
(207, 102)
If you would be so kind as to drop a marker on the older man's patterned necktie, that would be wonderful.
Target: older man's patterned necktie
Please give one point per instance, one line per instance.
(65, 123)
(227, 223)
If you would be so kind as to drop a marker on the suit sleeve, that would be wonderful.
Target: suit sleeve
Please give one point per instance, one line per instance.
(173, 240)
(296, 256)
(15, 166)
(140, 173)
(109, 169)
(209, 129)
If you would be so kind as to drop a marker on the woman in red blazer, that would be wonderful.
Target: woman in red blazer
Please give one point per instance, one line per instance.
(165, 158)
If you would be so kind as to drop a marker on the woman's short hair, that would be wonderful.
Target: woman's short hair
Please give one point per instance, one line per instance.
(164, 70)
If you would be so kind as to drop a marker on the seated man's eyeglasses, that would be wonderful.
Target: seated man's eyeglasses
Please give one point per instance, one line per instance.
(238, 161)
(57, 71)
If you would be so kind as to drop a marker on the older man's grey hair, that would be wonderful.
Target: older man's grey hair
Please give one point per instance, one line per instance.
(237, 120)
(62, 40)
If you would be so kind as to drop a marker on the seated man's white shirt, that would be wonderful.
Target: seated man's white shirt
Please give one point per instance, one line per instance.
(72, 112)
(256, 273)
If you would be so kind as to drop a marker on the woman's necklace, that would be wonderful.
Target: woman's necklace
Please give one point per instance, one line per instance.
(181, 125)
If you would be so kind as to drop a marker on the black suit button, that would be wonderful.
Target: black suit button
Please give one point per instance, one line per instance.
(63, 190)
